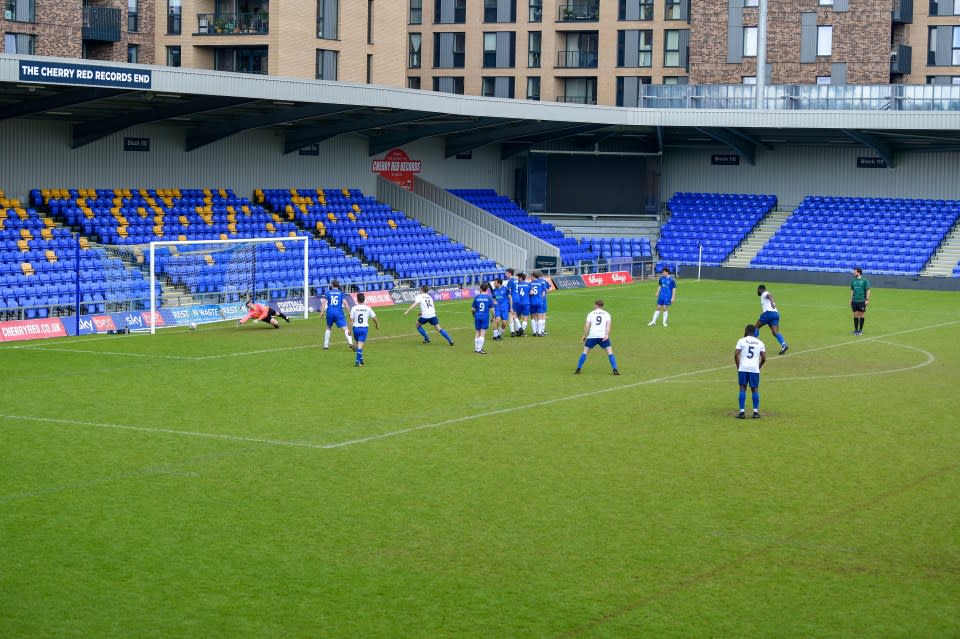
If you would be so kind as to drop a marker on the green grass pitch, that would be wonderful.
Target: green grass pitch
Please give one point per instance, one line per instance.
(243, 482)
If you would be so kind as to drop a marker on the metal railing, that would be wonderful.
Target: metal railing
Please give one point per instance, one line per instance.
(801, 97)
(577, 59)
(579, 12)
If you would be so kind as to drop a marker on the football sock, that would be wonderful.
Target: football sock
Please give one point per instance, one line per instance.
(349, 339)
(613, 360)
(742, 399)
(780, 339)
(523, 325)
(856, 323)
(326, 338)
(861, 322)
(756, 401)
(583, 358)
(359, 354)
(656, 314)
(476, 343)
(665, 313)
(445, 335)
(422, 332)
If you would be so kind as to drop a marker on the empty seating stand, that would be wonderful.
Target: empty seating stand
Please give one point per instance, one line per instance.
(715, 222)
(45, 270)
(572, 252)
(398, 244)
(881, 235)
(619, 247)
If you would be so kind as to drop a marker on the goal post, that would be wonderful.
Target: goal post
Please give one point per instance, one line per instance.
(200, 274)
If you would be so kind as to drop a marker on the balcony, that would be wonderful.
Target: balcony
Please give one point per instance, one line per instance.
(101, 24)
(232, 24)
(576, 59)
(903, 12)
(577, 99)
(900, 61)
(579, 12)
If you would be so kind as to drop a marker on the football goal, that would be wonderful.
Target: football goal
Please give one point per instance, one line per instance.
(209, 280)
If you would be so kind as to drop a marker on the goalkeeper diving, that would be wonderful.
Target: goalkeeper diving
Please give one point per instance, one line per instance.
(263, 313)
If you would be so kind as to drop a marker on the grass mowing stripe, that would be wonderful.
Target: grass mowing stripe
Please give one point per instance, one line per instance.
(466, 418)
(725, 567)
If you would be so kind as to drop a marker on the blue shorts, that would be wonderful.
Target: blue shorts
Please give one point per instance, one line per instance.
(597, 341)
(514, 303)
(433, 321)
(769, 317)
(360, 333)
(748, 379)
(664, 301)
(523, 310)
(537, 307)
(481, 323)
(501, 312)
(339, 320)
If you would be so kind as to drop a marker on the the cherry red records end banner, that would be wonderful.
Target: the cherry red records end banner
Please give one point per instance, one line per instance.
(607, 279)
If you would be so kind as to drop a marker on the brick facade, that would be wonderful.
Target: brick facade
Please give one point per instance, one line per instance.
(58, 32)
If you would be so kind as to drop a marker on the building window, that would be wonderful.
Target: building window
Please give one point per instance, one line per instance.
(241, 60)
(824, 40)
(133, 16)
(416, 13)
(500, 11)
(19, 10)
(956, 46)
(635, 48)
(534, 39)
(492, 87)
(635, 10)
(133, 53)
(327, 64)
(536, 12)
(825, 3)
(823, 79)
(173, 56)
(499, 49)
(328, 19)
(749, 79)
(750, 42)
(673, 10)
(448, 50)
(449, 12)
(751, 3)
(19, 43)
(173, 17)
(671, 48)
(414, 49)
(676, 79)
(369, 21)
(533, 88)
(628, 90)
(579, 91)
(448, 84)
(369, 68)
(413, 82)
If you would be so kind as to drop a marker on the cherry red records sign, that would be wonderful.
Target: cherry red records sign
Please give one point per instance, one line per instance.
(31, 329)
(397, 167)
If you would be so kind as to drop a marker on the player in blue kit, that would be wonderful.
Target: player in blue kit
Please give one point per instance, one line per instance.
(666, 294)
(332, 306)
(481, 307)
(538, 303)
(501, 308)
(770, 316)
(512, 282)
(522, 304)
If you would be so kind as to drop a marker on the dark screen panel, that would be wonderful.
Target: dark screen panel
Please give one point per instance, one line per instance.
(602, 184)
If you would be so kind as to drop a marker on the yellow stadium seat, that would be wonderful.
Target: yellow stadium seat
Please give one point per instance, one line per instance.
(356, 207)
(51, 256)
(27, 268)
(208, 259)
(23, 245)
(271, 227)
(281, 247)
(26, 234)
(46, 233)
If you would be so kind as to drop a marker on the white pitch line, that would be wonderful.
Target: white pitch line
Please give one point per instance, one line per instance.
(448, 422)
(54, 349)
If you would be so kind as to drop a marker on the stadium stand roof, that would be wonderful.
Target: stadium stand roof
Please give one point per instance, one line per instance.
(209, 106)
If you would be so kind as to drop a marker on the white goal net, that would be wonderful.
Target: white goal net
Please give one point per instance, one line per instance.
(209, 280)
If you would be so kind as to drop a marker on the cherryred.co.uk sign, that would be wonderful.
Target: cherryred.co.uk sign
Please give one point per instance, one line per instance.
(397, 167)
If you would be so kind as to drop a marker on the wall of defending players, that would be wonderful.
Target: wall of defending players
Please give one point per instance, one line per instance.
(131, 321)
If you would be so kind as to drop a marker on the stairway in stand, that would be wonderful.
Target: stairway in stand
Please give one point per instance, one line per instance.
(749, 247)
(945, 259)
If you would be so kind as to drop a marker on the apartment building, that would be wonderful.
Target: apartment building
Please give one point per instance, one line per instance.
(117, 30)
(582, 51)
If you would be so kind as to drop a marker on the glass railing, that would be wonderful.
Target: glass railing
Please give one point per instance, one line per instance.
(801, 97)
(231, 23)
